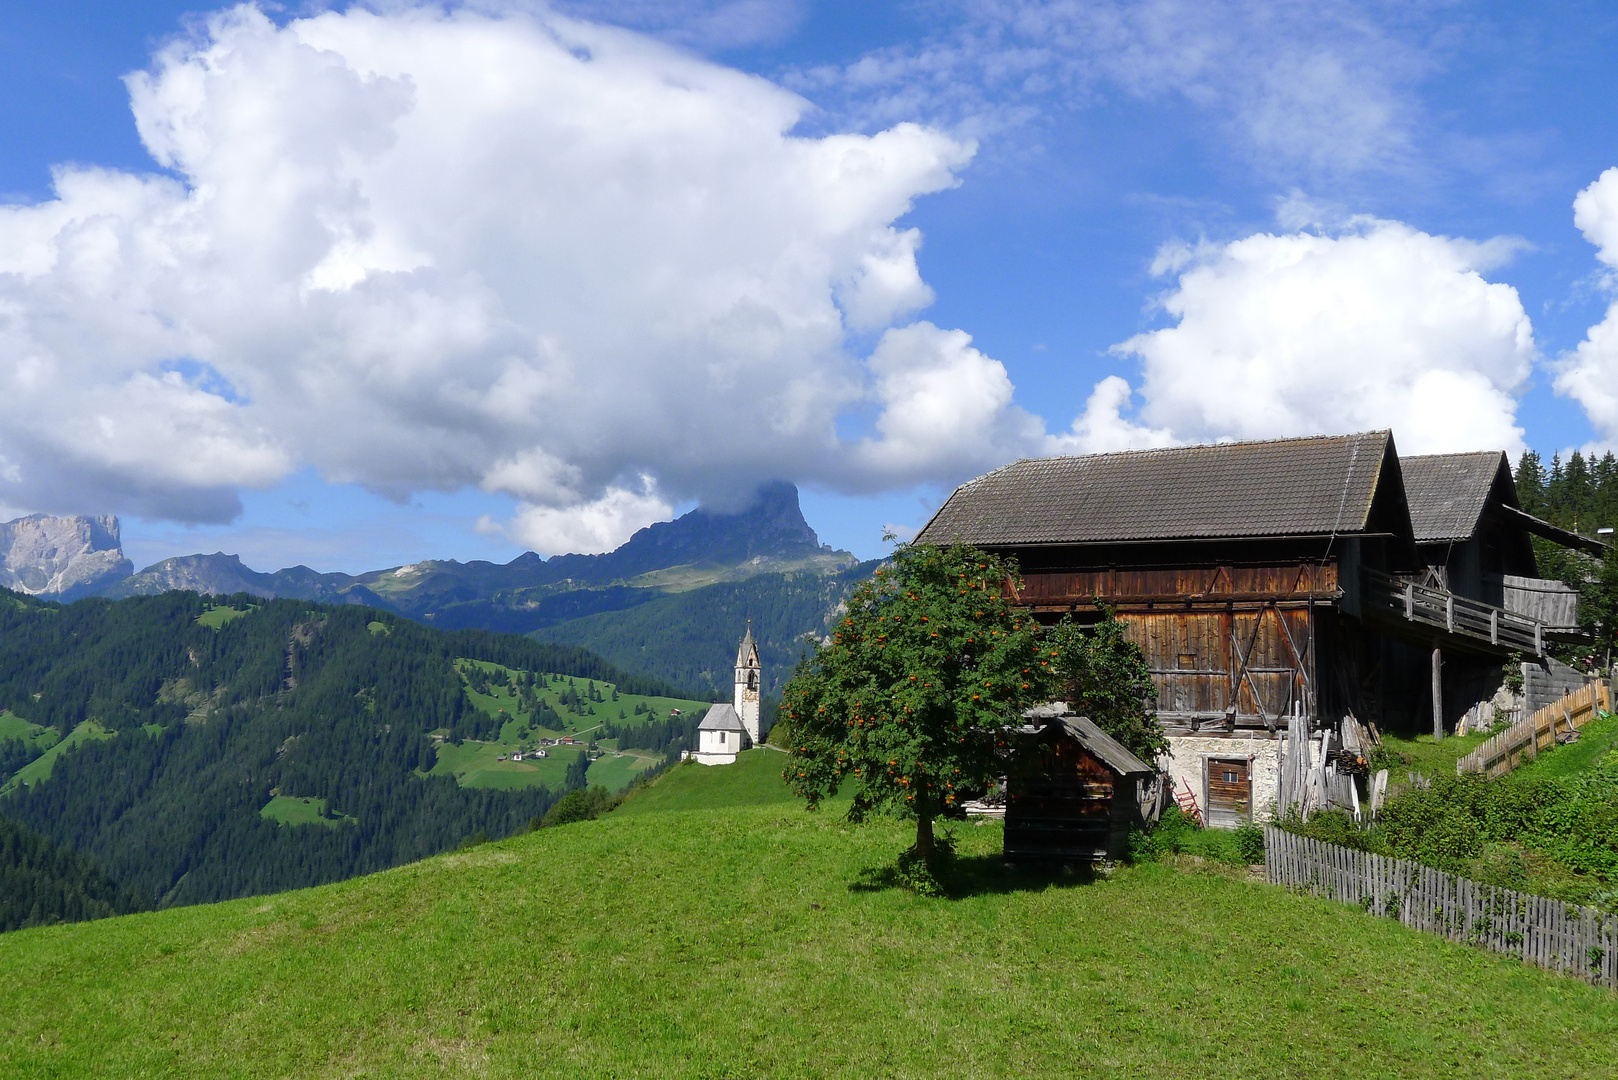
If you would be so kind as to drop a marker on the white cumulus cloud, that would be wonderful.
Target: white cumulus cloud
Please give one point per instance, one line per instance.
(419, 248)
(1589, 374)
(1378, 325)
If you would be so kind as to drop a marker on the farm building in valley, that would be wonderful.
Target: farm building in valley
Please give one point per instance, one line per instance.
(1321, 578)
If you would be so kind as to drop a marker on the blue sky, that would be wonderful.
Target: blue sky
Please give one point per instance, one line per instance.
(1301, 217)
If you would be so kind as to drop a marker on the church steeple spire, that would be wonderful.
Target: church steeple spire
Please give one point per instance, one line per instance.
(749, 677)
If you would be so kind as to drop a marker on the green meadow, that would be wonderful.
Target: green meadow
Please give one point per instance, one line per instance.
(40, 768)
(215, 617)
(292, 810)
(711, 928)
(489, 764)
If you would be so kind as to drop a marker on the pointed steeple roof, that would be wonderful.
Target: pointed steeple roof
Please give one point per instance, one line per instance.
(749, 650)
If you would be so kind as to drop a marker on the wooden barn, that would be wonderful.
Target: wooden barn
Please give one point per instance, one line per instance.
(1311, 577)
(1073, 792)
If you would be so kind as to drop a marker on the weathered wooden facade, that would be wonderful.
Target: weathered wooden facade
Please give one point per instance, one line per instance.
(1268, 579)
(1073, 793)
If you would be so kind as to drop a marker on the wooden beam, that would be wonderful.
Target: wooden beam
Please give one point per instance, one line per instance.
(1438, 692)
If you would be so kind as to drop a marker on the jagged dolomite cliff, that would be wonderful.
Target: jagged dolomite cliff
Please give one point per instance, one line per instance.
(62, 557)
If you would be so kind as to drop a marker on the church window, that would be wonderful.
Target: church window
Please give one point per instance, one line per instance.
(752, 680)
(724, 737)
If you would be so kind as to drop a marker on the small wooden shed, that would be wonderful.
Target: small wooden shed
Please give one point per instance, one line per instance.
(1073, 793)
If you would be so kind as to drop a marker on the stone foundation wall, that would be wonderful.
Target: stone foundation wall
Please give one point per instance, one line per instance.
(1188, 752)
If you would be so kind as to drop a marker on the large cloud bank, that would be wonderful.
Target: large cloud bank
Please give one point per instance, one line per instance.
(426, 249)
(423, 249)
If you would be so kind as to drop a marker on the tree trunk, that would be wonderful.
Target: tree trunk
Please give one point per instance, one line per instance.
(924, 836)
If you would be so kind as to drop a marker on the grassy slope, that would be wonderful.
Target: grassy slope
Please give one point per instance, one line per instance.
(748, 941)
(13, 726)
(40, 768)
(1597, 738)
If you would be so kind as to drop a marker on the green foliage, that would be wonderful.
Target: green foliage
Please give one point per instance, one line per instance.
(911, 700)
(689, 638)
(42, 882)
(1549, 828)
(1179, 834)
(14, 754)
(582, 804)
(1104, 676)
(178, 732)
(1580, 494)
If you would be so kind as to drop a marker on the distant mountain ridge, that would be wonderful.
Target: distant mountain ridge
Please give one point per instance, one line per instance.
(697, 548)
(705, 575)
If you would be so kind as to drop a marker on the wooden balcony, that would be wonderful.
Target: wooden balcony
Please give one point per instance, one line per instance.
(1387, 595)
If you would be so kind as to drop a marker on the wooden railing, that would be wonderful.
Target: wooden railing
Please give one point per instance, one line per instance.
(1524, 740)
(1557, 936)
(1451, 613)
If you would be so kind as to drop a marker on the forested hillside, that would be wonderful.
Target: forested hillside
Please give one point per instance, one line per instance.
(690, 638)
(42, 882)
(182, 718)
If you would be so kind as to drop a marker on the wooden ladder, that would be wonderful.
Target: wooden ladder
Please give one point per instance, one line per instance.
(1188, 804)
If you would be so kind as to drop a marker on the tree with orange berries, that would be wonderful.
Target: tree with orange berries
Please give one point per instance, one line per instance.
(914, 698)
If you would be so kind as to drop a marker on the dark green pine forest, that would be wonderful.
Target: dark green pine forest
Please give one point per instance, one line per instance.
(1580, 494)
(204, 722)
(690, 638)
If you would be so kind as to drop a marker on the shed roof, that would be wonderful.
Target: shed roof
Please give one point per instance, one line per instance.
(1284, 487)
(721, 717)
(1114, 754)
(1447, 492)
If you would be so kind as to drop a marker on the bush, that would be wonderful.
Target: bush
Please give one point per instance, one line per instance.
(582, 804)
(1178, 834)
(1250, 844)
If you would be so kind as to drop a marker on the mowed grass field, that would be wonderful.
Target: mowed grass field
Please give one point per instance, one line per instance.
(683, 938)
(479, 763)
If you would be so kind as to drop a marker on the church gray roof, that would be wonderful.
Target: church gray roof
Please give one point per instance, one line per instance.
(721, 717)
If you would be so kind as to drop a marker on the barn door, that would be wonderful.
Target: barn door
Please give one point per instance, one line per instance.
(1228, 783)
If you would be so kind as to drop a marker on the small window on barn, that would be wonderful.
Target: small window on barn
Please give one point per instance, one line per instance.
(1188, 661)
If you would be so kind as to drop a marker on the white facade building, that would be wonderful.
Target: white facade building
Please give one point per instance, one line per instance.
(729, 729)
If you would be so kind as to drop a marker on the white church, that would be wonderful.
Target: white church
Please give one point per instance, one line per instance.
(727, 730)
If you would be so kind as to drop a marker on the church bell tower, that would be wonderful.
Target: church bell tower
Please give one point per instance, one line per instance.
(748, 678)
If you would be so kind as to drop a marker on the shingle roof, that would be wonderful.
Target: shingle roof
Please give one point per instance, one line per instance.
(1083, 730)
(1286, 487)
(1447, 492)
(721, 717)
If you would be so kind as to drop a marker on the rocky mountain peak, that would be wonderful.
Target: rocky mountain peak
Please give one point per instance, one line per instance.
(62, 557)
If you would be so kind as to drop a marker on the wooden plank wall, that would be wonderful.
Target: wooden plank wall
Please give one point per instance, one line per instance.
(1212, 636)
(1560, 937)
(1202, 662)
(1523, 741)
(1121, 585)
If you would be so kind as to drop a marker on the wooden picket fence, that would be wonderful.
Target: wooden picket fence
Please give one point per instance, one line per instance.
(1523, 741)
(1556, 936)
